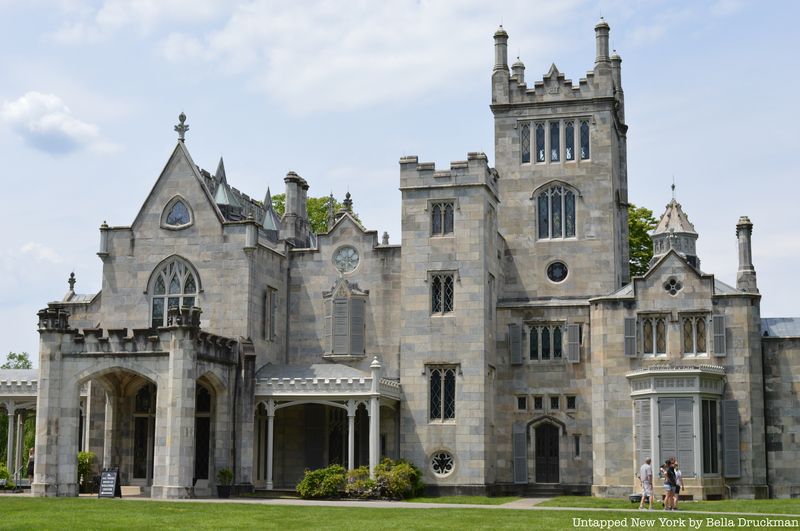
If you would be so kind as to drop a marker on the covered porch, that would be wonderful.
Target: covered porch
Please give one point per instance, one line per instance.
(312, 416)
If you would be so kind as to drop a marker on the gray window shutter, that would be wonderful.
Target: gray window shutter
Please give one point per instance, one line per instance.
(341, 325)
(573, 343)
(515, 343)
(327, 333)
(718, 323)
(357, 326)
(642, 422)
(520, 450)
(731, 466)
(685, 426)
(667, 432)
(630, 337)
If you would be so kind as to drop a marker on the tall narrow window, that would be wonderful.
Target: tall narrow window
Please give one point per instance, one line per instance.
(694, 335)
(442, 293)
(270, 312)
(442, 393)
(546, 342)
(569, 140)
(555, 147)
(654, 336)
(174, 286)
(545, 335)
(557, 343)
(442, 218)
(556, 212)
(539, 142)
(525, 143)
(584, 139)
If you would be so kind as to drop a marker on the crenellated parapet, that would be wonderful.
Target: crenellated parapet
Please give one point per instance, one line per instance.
(474, 171)
(53, 320)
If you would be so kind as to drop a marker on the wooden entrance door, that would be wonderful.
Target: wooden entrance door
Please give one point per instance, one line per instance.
(547, 453)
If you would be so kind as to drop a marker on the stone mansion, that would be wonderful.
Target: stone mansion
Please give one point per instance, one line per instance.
(501, 347)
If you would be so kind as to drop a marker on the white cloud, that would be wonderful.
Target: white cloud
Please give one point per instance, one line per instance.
(324, 55)
(40, 252)
(46, 123)
(93, 25)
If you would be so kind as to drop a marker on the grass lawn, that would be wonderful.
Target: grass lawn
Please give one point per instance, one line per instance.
(474, 500)
(91, 513)
(791, 506)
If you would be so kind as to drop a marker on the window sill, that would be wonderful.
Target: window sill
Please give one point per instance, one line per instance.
(343, 357)
(448, 422)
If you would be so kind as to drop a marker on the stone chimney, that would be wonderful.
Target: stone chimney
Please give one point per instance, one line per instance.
(746, 276)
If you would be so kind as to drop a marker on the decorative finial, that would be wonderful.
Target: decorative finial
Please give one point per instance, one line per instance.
(385, 239)
(182, 127)
(673, 188)
(71, 281)
(348, 203)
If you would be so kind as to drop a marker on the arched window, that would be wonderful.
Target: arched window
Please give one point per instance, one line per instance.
(174, 286)
(556, 212)
(569, 140)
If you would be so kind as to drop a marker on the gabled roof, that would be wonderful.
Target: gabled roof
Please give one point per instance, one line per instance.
(780, 327)
(181, 150)
(674, 219)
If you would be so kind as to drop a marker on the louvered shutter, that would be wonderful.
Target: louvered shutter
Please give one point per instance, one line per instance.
(731, 467)
(341, 325)
(515, 343)
(574, 343)
(520, 451)
(685, 432)
(357, 327)
(718, 324)
(630, 337)
(327, 333)
(642, 422)
(667, 432)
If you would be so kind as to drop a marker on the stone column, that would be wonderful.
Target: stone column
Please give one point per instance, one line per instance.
(110, 457)
(352, 406)
(270, 437)
(174, 459)
(18, 457)
(10, 443)
(374, 418)
(244, 405)
(47, 472)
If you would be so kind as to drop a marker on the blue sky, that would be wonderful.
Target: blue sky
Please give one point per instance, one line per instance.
(339, 91)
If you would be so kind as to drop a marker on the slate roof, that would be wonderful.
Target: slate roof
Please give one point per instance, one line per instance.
(780, 326)
(674, 219)
(317, 370)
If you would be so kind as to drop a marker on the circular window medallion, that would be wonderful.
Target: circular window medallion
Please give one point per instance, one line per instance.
(345, 258)
(673, 285)
(557, 271)
(442, 463)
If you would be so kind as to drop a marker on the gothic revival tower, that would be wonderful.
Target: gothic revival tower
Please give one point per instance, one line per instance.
(560, 150)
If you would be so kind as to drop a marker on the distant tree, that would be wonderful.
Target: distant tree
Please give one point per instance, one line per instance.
(317, 210)
(17, 361)
(640, 224)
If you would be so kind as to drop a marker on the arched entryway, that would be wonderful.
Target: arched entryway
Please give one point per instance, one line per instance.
(536, 449)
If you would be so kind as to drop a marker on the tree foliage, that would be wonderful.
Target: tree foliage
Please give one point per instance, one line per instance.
(317, 210)
(640, 224)
(17, 361)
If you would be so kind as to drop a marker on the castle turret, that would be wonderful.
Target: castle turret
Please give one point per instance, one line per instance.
(746, 276)
(601, 31)
(518, 70)
(500, 74)
(616, 76)
(675, 231)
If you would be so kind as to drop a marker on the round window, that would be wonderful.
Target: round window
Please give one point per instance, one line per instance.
(557, 271)
(345, 258)
(442, 463)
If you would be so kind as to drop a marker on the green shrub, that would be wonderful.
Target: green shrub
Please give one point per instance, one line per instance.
(398, 479)
(322, 483)
(4, 474)
(224, 476)
(85, 460)
(360, 485)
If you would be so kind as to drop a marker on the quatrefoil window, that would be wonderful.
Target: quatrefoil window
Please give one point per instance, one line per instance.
(673, 285)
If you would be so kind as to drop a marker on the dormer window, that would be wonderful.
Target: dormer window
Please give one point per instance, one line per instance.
(177, 214)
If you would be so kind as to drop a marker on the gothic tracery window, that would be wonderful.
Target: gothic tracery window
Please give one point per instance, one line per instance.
(546, 342)
(555, 148)
(569, 140)
(693, 335)
(174, 286)
(539, 142)
(654, 335)
(556, 212)
(442, 218)
(442, 393)
(442, 293)
(584, 139)
(525, 143)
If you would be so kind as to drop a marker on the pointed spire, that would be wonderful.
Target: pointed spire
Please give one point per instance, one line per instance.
(675, 231)
(271, 220)
(331, 215)
(220, 173)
